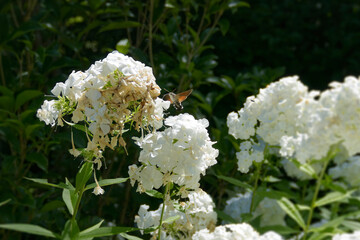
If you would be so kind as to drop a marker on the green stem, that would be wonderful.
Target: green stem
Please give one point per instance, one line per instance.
(317, 189)
(77, 205)
(163, 210)
(257, 176)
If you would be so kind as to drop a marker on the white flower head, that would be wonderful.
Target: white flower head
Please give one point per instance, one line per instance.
(304, 124)
(347, 236)
(48, 112)
(113, 92)
(180, 153)
(98, 190)
(196, 214)
(241, 231)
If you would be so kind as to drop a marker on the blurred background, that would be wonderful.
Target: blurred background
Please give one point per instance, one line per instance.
(224, 50)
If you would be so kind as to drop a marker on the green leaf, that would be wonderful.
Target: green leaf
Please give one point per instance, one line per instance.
(28, 26)
(123, 46)
(332, 197)
(83, 175)
(39, 159)
(283, 230)
(69, 197)
(45, 182)
(26, 96)
(81, 128)
(154, 193)
(225, 217)
(353, 225)
(106, 182)
(6, 91)
(7, 102)
(71, 230)
(119, 25)
(106, 231)
(236, 182)
(96, 226)
(334, 223)
(50, 206)
(224, 26)
(236, 4)
(292, 211)
(171, 219)
(29, 228)
(5, 202)
(130, 237)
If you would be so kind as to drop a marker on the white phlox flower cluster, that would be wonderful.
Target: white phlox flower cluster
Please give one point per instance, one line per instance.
(111, 93)
(305, 125)
(48, 112)
(179, 154)
(268, 209)
(348, 170)
(249, 152)
(334, 119)
(347, 236)
(241, 231)
(196, 214)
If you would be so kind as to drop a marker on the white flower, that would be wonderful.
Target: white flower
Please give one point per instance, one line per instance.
(249, 152)
(111, 93)
(157, 117)
(242, 231)
(347, 236)
(98, 190)
(305, 125)
(73, 88)
(48, 112)
(195, 214)
(181, 153)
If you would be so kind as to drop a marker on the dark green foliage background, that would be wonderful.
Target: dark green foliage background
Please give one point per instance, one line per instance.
(224, 53)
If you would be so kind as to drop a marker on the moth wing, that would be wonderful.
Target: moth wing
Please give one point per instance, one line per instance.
(167, 97)
(183, 95)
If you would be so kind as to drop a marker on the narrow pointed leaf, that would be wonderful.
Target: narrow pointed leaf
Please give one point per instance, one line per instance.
(96, 226)
(332, 197)
(5, 202)
(106, 231)
(29, 228)
(292, 211)
(129, 237)
(154, 193)
(353, 225)
(83, 175)
(171, 219)
(26, 96)
(71, 230)
(70, 197)
(45, 182)
(236, 182)
(225, 217)
(106, 182)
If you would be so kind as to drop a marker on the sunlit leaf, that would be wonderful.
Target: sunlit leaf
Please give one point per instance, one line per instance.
(292, 211)
(29, 228)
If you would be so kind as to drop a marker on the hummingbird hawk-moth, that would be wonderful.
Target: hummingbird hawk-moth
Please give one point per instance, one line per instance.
(177, 99)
